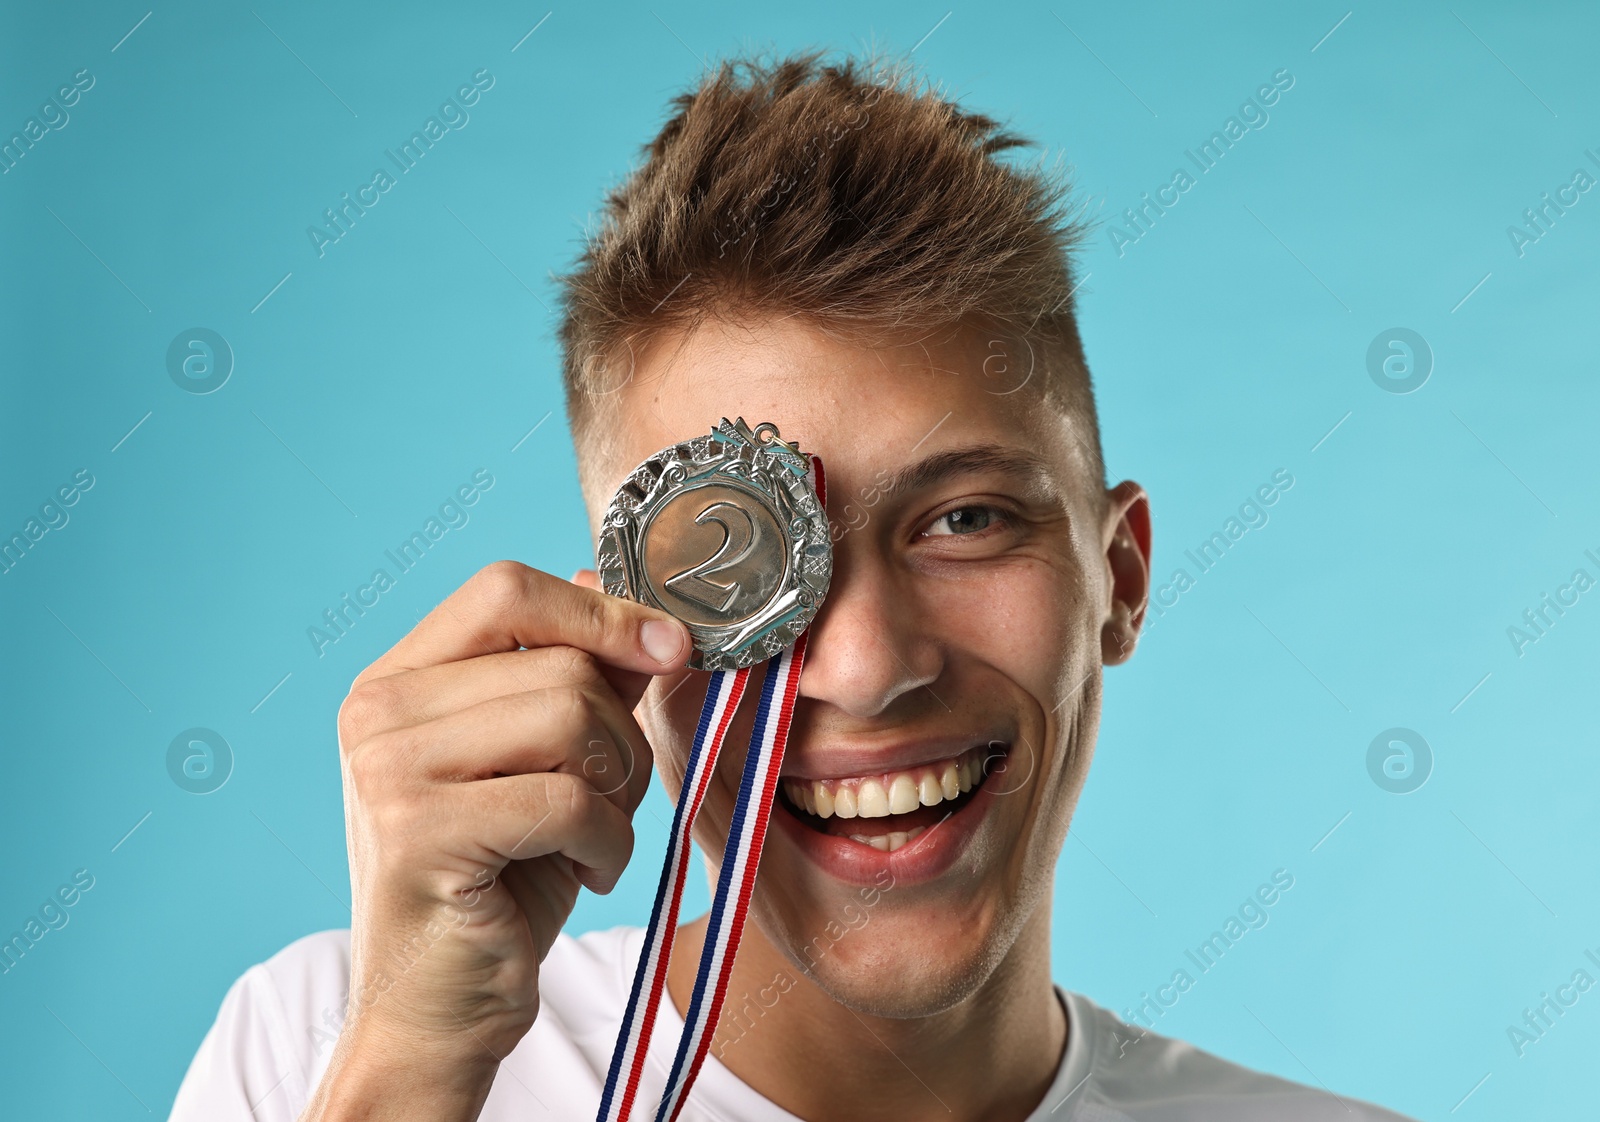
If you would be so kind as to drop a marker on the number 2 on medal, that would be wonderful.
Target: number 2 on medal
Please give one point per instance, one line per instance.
(738, 542)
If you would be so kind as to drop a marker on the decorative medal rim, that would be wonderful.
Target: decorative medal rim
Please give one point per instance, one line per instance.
(761, 464)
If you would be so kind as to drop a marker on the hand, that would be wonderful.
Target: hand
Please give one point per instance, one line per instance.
(483, 784)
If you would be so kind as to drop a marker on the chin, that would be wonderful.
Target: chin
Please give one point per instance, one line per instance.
(904, 932)
(905, 963)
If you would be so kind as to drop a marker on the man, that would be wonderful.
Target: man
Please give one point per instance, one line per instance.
(836, 250)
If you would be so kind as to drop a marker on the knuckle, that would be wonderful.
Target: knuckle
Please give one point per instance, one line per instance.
(501, 583)
(602, 617)
(367, 708)
(622, 833)
(371, 765)
(569, 708)
(576, 666)
(577, 800)
(561, 795)
(396, 821)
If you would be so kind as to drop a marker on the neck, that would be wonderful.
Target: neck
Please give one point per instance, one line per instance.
(991, 1056)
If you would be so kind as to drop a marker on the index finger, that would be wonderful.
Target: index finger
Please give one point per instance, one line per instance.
(507, 605)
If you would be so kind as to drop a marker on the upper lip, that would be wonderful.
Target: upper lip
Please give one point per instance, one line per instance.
(846, 760)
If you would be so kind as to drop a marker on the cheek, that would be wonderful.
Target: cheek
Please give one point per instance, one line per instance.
(667, 716)
(1030, 620)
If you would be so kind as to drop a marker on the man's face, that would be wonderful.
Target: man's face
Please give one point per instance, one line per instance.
(951, 690)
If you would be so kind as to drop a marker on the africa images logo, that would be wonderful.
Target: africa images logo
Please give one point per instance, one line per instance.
(452, 515)
(1251, 117)
(52, 117)
(452, 113)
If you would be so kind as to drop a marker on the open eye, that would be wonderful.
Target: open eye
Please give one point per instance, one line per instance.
(963, 520)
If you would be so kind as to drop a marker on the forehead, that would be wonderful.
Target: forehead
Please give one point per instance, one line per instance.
(864, 407)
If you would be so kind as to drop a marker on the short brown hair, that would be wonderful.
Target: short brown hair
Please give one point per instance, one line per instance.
(849, 194)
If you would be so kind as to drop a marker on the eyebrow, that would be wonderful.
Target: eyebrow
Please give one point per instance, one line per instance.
(941, 466)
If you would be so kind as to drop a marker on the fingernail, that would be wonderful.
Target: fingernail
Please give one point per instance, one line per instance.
(662, 641)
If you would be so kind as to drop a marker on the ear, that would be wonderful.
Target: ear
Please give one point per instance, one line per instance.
(1125, 537)
(586, 578)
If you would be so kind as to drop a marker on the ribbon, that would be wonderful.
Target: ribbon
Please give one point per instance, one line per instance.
(735, 881)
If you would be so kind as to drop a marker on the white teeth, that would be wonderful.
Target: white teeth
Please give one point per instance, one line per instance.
(871, 799)
(844, 803)
(888, 843)
(902, 794)
(896, 793)
(823, 800)
(949, 782)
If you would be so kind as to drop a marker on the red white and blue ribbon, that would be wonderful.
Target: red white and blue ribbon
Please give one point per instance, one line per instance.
(650, 980)
(737, 877)
(735, 881)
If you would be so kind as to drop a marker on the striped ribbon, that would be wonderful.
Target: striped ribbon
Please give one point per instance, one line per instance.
(735, 881)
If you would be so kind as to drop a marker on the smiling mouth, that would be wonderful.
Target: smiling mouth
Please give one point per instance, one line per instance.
(892, 809)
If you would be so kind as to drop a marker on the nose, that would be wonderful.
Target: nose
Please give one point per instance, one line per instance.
(869, 643)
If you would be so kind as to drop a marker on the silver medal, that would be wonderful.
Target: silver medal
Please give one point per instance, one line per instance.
(724, 532)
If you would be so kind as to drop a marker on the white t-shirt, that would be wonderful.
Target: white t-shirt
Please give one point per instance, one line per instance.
(274, 1036)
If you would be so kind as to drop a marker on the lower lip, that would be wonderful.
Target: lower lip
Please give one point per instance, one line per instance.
(928, 856)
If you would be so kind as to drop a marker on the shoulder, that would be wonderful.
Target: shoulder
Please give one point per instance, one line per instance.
(310, 977)
(272, 1035)
(1147, 1076)
(294, 1002)
(275, 1032)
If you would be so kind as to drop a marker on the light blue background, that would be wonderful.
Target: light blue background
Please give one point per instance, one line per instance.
(1225, 344)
